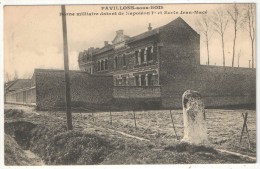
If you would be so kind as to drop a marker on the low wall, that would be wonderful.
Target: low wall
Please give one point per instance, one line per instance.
(133, 92)
(219, 86)
(86, 90)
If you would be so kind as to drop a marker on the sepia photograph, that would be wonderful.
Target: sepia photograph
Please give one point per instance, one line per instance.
(124, 84)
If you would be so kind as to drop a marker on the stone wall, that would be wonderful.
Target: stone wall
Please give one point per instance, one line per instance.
(86, 90)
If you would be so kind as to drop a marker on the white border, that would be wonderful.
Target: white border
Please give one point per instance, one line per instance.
(58, 2)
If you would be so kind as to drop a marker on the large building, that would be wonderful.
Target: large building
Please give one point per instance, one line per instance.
(157, 66)
(150, 70)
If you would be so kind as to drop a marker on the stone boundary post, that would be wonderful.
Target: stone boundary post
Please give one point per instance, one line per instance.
(195, 130)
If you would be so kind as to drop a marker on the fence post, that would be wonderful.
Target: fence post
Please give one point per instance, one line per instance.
(173, 125)
(134, 119)
(93, 117)
(243, 128)
(110, 117)
(245, 122)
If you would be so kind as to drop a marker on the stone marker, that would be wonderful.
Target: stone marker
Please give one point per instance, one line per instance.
(195, 129)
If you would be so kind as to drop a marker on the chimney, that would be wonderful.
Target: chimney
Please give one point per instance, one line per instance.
(120, 32)
(105, 43)
(149, 28)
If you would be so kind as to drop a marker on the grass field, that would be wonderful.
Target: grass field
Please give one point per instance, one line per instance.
(224, 130)
(224, 126)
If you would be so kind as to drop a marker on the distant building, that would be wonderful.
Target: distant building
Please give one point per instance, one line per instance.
(150, 70)
(20, 91)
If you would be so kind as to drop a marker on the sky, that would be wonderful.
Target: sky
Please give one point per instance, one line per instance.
(33, 34)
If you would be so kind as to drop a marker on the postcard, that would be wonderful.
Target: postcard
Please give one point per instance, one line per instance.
(127, 84)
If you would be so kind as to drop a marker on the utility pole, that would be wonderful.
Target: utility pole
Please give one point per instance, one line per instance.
(66, 69)
(249, 61)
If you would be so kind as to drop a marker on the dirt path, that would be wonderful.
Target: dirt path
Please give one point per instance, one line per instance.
(95, 128)
(129, 135)
(237, 154)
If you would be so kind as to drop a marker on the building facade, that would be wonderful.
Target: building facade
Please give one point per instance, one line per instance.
(131, 61)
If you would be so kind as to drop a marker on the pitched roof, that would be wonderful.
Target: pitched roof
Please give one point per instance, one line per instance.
(178, 21)
(143, 35)
(8, 84)
(19, 84)
(156, 30)
(103, 49)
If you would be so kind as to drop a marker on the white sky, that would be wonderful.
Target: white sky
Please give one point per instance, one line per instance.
(33, 35)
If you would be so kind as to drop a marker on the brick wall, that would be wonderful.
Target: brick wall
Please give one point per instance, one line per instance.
(180, 70)
(86, 89)
(218, 85)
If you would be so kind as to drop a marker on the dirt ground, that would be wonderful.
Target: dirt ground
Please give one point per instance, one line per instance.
(155, 129)
(14, 155)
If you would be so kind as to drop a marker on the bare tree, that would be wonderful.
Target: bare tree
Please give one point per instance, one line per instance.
(238, 57)
(15, 75)
(204, 25)
(220, 22)
(26, 76)
(250, 20)
(236, 16)
(7, 77)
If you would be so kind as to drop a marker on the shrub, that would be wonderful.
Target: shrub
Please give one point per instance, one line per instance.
(61, 147)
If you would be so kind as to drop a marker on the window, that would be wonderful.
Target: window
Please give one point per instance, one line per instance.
(143, 82)
(119, 82)
(150, 80)
(106, 65)
(142, 55)
(98, 66)
(115, 81)
(124, 81)
(137, 83)
(136, 57)
(102, 64)
(116, 64)
(148, 54)
(124, 60)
